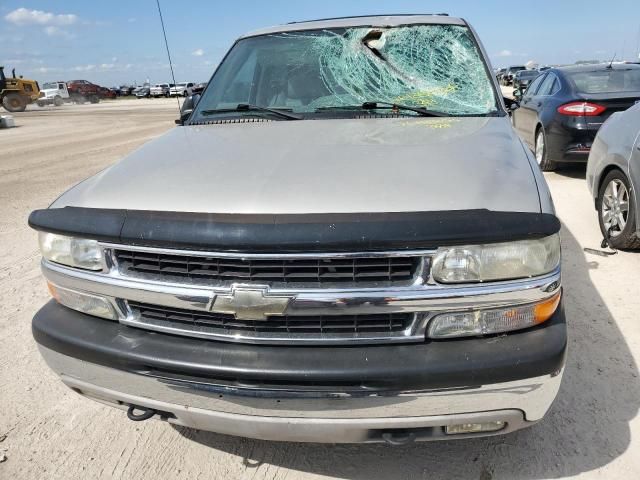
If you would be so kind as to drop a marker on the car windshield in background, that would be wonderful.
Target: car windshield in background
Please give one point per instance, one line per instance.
(607, 81)
(434, 67)
(50, 86)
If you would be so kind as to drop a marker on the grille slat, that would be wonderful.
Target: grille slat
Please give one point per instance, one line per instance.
(305, 270)
(315, 325)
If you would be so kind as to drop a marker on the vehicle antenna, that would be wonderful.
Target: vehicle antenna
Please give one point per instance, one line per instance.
(612, 59)
(166, 44)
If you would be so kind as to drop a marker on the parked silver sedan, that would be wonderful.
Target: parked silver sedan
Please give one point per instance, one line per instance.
(613, 175)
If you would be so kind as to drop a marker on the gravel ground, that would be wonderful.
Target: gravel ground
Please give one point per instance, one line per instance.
(48, 432)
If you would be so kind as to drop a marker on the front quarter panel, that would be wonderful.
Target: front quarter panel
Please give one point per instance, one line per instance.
(597, 161)
(634, 165)
(546, 201)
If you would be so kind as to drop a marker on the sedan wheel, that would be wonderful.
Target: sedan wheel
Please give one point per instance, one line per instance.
(615, 207)
(616, 211)
(540, 147)
(541, 152)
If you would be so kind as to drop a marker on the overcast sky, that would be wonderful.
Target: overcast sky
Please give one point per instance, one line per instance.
(118, 42)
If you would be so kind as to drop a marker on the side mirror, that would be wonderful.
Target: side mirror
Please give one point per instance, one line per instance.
(517, 93)
(190, 103)
(511, 104)
(187, 108)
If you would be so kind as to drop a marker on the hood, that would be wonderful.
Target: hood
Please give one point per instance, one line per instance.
(316, 166)
(50, 91)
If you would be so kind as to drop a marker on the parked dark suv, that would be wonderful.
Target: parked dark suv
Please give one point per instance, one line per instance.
(523, 78)
(507, 77)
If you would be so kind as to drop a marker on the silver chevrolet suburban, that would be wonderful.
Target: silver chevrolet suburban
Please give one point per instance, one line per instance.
(344, 241)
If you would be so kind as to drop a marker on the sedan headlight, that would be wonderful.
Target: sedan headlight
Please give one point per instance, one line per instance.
(496, 261)
(70, 251)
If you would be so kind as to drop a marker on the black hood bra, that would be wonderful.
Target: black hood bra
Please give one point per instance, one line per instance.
(281, 233)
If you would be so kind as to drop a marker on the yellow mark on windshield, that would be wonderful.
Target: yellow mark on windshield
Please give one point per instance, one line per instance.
(431, 123)
(427, 97)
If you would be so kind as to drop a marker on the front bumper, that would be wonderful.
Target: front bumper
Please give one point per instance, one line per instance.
(312, 394)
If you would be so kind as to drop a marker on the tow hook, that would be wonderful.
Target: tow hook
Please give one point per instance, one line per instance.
(398, 438)
(146, 414)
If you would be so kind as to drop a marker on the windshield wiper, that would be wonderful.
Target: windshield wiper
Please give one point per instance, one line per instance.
(245, 107)
(387, 105)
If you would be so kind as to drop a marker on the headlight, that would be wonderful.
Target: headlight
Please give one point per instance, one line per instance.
(74, 252)
(487, 322)
(496, 261)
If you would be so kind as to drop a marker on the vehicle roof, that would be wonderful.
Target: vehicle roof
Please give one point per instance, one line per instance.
(597, 67)
(364, 21)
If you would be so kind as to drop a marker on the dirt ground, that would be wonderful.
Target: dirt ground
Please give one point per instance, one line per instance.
(49, 432)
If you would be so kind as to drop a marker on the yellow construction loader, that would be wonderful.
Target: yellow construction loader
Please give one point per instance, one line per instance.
(16, 92)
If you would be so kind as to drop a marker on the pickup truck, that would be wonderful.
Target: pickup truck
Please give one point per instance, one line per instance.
(345, 241)
(183, 89)
(160, 90)
(81, 91)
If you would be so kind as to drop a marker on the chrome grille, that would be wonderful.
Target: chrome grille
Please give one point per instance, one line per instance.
(204, 322)
(316, 271)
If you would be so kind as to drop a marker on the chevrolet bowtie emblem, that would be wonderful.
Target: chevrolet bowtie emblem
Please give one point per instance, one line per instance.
(250, 303)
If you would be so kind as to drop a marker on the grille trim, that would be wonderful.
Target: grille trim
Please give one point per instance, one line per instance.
(338, 273)
(422, 298)
(288, 329)
(204, 268)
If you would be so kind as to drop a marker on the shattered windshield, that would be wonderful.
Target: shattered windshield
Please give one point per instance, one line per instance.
(435, 67)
